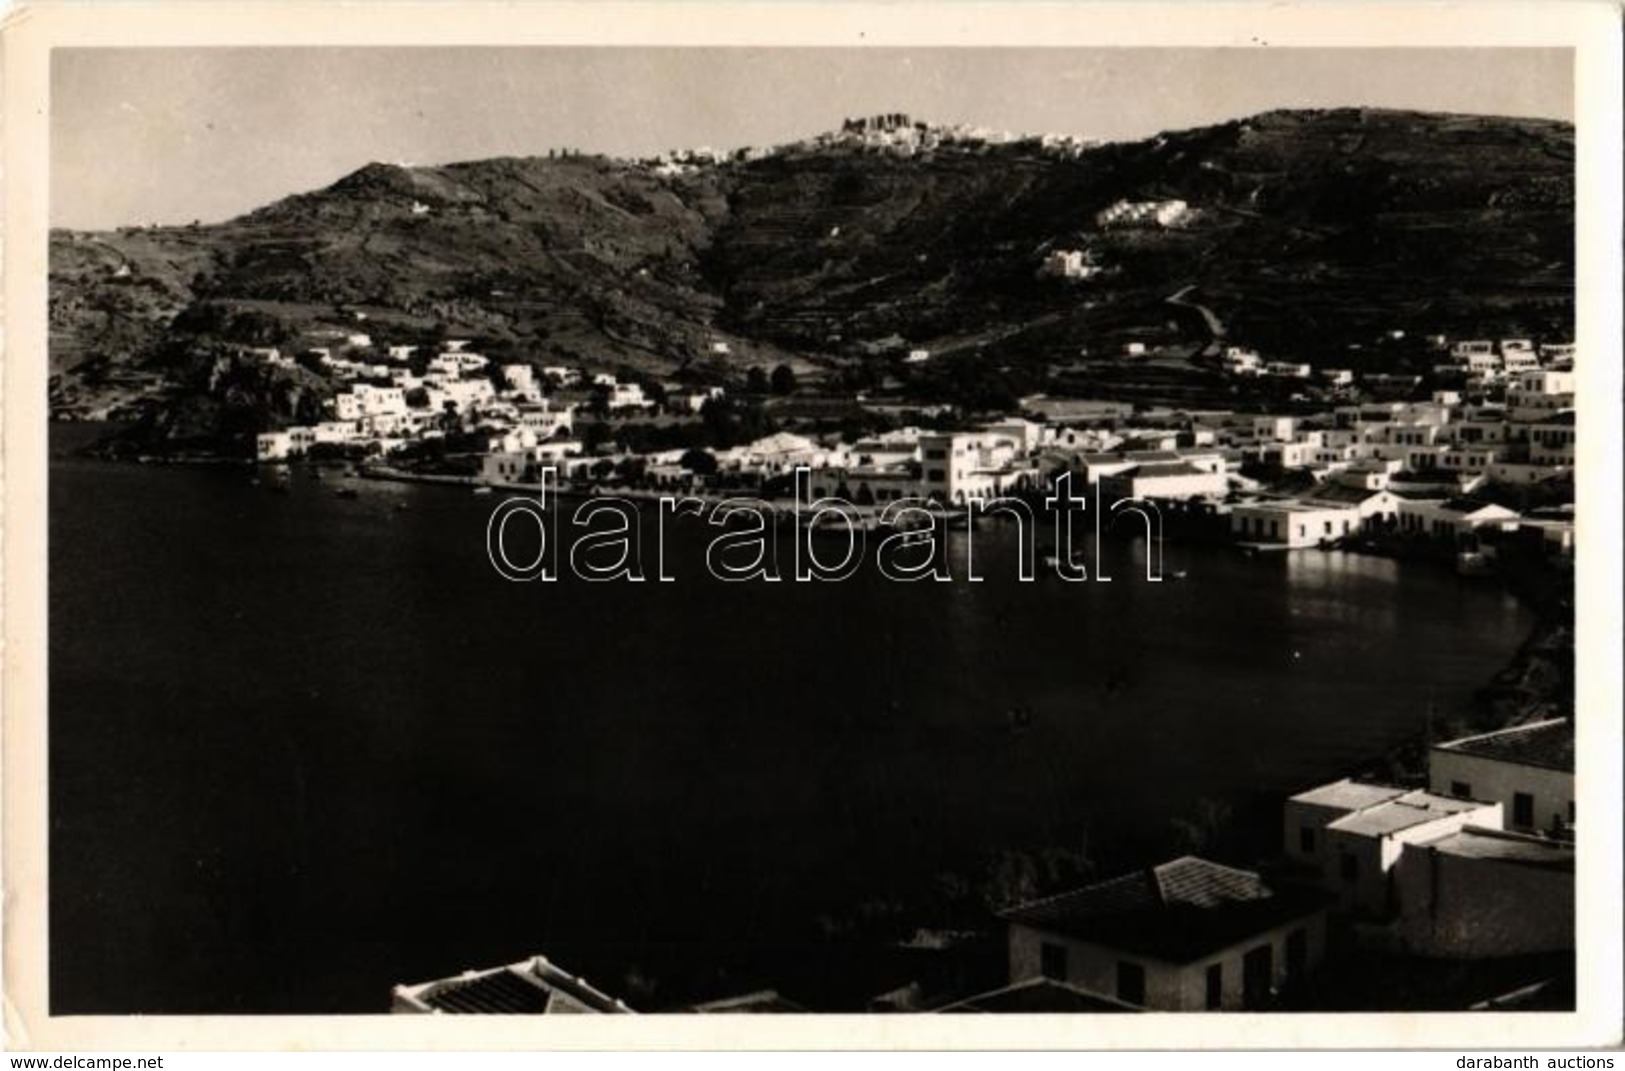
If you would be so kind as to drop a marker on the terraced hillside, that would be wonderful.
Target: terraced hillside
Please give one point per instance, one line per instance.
(1309, 232)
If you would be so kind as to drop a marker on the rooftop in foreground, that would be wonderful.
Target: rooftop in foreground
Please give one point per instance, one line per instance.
(1039, 995)
(529, 987)
(1475, 842)
(1349, 795)
(1406, 812)
(1548, 744)
(1177, 912)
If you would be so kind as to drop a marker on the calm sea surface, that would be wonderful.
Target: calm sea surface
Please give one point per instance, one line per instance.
(304, 747)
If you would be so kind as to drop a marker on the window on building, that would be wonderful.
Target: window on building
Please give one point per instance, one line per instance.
(1461, 790)
(1306, 840)
(1215, 986)
(1349, 866)
(1130, 982)
(1052, 961)
(1523, 809)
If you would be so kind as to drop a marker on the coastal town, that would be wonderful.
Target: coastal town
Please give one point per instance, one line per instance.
(1466, 856)
(1325, 358)
(1483, 464)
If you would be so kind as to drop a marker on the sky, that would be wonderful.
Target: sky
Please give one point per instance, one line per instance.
(165, 135)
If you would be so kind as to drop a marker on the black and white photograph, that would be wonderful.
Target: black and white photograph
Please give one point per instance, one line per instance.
(874, 529)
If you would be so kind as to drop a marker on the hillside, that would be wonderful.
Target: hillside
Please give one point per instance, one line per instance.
(1309, 233)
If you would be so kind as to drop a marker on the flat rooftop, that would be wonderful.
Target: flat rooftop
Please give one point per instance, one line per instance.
(1350, 795)
(1407, 812)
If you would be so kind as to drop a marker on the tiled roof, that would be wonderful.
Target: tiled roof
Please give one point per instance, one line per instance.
(499, 992)
(1548, 744)
(1177, 912)
(530, 987)
(1341, 494)
(1039, 995)
(1168, 468)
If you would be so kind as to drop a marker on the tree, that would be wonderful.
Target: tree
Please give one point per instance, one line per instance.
(699, 462)
(783, 380)
(756, 381)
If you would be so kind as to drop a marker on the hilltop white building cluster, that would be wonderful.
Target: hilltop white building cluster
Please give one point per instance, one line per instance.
(1170, 212)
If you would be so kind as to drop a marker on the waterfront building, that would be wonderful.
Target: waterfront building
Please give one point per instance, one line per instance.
(1374, 505)
(1188, 935)
(1292, 522)
(1178, 479)
(865, 485)
(336, 431)
(1456, 520)
(273, 446)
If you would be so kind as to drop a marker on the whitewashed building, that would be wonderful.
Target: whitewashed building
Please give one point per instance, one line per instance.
(1529, 769)
(1188, 935)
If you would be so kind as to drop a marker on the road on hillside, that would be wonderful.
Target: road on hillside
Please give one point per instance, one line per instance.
(1215, 326)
